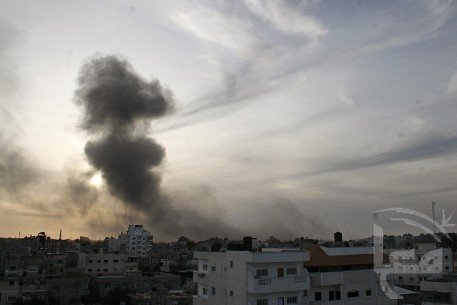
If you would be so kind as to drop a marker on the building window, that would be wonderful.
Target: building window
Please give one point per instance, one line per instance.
(291, 300)
(334, 295)
(353, 294)
(213, 268)
(89, 270)
(368, 292)
(116, 261)
(231, 293)
(446, 257)
(231, 264)
(91, 261)
(205, 267)
(317, 296)
(262, 272)
(213, 290)
(291, 271)
(262, 302)
(105, 261)
(205, 291)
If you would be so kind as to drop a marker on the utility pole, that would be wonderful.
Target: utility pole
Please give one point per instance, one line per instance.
(433, 216)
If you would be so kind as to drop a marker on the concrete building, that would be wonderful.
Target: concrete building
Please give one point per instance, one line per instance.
(135, 241)
(344, 275)
(107, 263)
(273, 276)
(11, 290)
(70, 289)
(410, 266)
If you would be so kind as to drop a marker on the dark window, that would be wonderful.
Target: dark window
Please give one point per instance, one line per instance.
(262, 272)
(291, 271)
(262, 302)
(291, 300)
(368, 292)
(231, 293)
(317, 296)
(213, 268)
(213, 290)
(353, 294)
(231, 264)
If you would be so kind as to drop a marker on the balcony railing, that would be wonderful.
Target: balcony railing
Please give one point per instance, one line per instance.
(278, 284)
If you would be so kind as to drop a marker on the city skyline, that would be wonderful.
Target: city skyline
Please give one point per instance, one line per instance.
(286, 119)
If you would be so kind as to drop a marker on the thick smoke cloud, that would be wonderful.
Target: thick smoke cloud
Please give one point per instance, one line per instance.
(118, 105)
(115, 97)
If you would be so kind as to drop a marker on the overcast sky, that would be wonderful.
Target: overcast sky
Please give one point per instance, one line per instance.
(293, 118)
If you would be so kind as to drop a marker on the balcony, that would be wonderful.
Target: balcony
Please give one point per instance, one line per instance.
(277, 284)
(200, 277)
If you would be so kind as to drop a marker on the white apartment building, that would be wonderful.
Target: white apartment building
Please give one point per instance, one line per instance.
(410, 266)
(344, 275)
(107, 263)
(273, 276)
(136, 240)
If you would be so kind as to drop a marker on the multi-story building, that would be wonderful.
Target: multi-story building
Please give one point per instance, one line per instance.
(12, 290)
(344, 275)
(136, 240)
(273, 276)
(410, 266)
(107, 263)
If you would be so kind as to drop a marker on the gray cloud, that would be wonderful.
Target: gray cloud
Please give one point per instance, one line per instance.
(286, 220)
(16, 170)
(429, 147)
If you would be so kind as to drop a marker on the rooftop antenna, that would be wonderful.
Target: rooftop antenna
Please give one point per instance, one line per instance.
(433, 216)
(60, 234)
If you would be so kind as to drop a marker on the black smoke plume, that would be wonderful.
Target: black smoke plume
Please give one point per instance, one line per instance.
(118, 105)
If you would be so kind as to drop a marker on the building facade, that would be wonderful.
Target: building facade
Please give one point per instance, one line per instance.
(135, 241)
(273, 276)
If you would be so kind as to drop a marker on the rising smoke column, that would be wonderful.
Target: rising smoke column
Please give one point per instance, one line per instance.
(118, 105)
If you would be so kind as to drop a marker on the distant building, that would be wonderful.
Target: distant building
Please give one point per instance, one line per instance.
(410, 266)
(107, 263)
(136, 240)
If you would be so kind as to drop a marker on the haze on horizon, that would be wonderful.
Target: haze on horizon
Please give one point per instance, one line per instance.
(290, 118)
